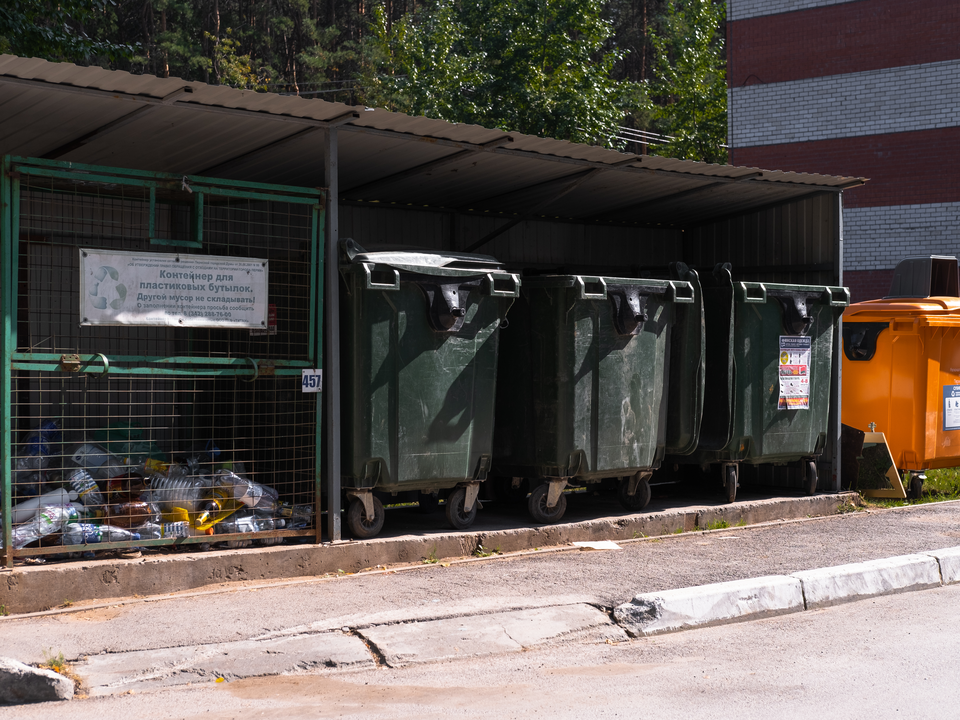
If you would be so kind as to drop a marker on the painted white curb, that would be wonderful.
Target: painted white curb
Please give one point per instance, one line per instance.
(949, 559)
(843, 583)
(672, 610)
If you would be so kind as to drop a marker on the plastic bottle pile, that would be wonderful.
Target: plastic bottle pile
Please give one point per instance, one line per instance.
(89, 495)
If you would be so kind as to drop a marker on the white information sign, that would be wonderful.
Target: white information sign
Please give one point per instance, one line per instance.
(951, 407)
(794, 370)
(118, 288)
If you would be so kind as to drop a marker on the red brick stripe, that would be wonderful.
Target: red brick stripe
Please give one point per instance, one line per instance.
(845, 38)
(867, 284)
(904, 168)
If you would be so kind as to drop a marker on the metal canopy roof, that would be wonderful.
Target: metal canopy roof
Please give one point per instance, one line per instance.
(90, 115)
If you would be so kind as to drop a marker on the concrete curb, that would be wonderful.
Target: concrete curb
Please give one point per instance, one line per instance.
(37, 588)
(949, 561)
(843, 583)
(21, 684)
(715, 604)
(720, 603)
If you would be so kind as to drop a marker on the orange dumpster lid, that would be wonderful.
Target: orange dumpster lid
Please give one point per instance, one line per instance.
(932, 308)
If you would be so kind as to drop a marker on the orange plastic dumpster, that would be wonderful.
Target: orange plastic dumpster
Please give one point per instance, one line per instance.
(901, 364)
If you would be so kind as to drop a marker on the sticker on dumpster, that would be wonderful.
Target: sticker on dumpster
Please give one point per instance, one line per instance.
(794, 371)
(170, 289)
(951, 407)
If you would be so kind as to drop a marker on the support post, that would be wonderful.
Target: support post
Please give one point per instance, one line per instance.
(331, 312)
(836, 416)
(8, 291)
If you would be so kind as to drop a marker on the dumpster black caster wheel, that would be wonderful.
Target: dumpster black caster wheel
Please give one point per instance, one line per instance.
(810, 477)
(916, 487)
(537, 505)
(637, 501)
(458, 519)
(428, 502)
(730, 482)
(357, 519)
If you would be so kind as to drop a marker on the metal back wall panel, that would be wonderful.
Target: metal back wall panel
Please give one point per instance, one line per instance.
(539, 244)
(790, 243)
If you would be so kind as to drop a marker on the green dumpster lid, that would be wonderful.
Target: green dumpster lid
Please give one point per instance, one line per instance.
(422, 261)
(571, 280)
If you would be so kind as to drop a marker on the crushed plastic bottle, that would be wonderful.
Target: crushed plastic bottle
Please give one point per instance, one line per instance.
(83, 484)
(48, 520)
(157, 531)
(245, 522)
(133, 513)
(99, 462)
(179, 488)
(88, 533)
(27, 509)
(250, 493)
(297, 517)
(33, 456)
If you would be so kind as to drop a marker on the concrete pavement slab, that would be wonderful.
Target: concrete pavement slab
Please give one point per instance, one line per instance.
(672, 610)
(843, 583)
(949, 559)
(111, 673)
(479, 635)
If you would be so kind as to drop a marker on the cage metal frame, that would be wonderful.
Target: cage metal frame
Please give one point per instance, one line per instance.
(12, 169)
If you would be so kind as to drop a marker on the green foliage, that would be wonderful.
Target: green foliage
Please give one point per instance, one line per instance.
(534, 66)
(58, 663)
(56, 30)
(689, 90)
(482, 552)
(570, 69)
(718, 525)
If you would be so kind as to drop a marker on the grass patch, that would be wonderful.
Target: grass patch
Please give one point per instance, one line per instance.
(3, 611)
(717, 525)
(940, 485)
(481, 552)
(58, 663)
(432, 558)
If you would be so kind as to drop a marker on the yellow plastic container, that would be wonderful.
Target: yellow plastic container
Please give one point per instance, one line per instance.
(901, 372)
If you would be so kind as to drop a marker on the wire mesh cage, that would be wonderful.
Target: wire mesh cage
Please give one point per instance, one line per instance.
(176, 413)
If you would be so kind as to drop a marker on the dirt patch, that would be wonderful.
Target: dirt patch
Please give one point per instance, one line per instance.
(93, 615)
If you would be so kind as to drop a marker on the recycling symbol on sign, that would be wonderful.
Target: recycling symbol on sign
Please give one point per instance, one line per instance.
(107, 289)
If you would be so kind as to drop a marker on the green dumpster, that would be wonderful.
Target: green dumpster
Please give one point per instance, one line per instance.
(420, 333)
(583, 379)
(769, 351)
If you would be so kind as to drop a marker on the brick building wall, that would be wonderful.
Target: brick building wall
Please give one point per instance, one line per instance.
(866, 88)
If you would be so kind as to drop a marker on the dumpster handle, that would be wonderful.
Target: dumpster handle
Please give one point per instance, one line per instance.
(838, 296)
(371, 284)
(681, 291)
(582, 281)
(753, 292)
(494, 281)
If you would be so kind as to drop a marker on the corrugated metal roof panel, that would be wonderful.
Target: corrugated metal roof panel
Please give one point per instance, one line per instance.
(92, 115)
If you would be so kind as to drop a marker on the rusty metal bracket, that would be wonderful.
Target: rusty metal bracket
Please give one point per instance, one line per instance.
(70, 363)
